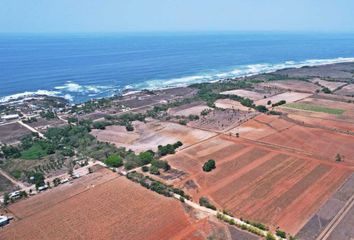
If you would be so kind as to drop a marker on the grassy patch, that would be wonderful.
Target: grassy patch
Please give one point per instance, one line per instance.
(315, 108)
(34, 152)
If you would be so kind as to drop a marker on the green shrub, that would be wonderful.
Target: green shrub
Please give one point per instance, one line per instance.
(114, 160)
(203, 201)
(161, 164)
(154, 170)
(261, 108)
(209, 165)
(280, 233)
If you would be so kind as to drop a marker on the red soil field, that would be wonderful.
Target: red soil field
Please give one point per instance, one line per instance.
(114, 209)
(319, 142)
(326, 123)
(260, 183)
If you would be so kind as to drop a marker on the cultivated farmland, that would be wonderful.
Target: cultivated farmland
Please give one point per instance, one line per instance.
(110, 208)
(257, 182)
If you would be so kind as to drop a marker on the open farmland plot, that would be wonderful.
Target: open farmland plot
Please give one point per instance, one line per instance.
(265, 184)
(12, 133)
(150, 135)
(322, 143)
(188, 109)
(346, 90)
(331, 85)
(231, 104)
(291, 85)
(289, 97)
(116, 208)
(43, 124)
(347, 109)
(245, 94)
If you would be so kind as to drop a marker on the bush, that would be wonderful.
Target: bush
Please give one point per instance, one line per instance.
(154, 170)
(161, 164)
(145, 168)
(203, 201)
(280, 233)
(129, 128)
(326, 90)
(182, 122)
(261, 108)
(209, 165)
(100, 125)
(279, 103)
(114, 161)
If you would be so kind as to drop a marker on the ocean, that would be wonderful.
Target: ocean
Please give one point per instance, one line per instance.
(84, 66)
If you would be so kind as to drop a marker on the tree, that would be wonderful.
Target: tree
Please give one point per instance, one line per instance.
(261, 108)
(338, 158)
(6, 198)
(209, 165)
(280, 233)
(203, 201)
(146, 157)
(114, 160)
(269, 102)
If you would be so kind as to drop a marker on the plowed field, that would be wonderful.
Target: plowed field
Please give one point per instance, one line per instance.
(257, 182)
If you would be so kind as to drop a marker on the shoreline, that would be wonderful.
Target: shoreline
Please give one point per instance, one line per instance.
(28, 95)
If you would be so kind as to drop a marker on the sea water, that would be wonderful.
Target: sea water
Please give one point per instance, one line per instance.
(84, 66)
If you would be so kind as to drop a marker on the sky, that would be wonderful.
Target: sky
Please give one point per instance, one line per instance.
(175, 15)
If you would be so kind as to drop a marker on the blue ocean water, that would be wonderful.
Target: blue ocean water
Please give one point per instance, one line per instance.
(83, 66)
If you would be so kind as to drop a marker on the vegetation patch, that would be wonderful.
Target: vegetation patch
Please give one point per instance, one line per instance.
(315, 108)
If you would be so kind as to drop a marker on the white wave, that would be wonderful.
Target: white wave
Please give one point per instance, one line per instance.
(240, 71)
(84, 89)
(69, 97)
(23, 95)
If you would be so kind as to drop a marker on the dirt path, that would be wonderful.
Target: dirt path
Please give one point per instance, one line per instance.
(336, 220)
(14, 181)
(32, 129)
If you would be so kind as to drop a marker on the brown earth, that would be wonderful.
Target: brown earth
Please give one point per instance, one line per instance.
(110, 207)
(291, 85)
(245, 94)
(151, 134)
(331, 85)
(12, 133)
(289, 97)
(262, 183)
(320, 143)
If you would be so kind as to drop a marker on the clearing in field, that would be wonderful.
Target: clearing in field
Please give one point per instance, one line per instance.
(188, 109)
(231, 104)
(289, 97)
(346, 90)
(259, 183)
(314, 108)
(292, 85)
(245, 94)
(151, 134)
(331, 85)
(12, 133)
(104, 206)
